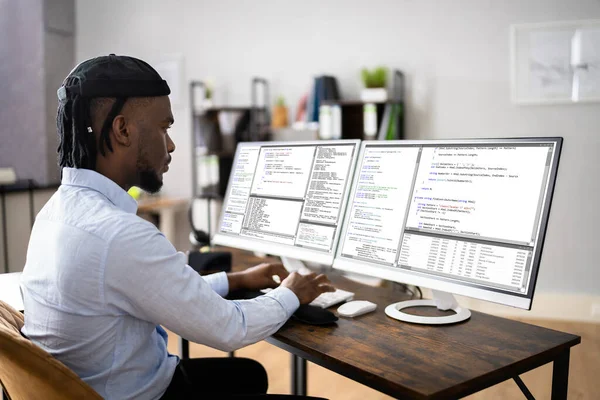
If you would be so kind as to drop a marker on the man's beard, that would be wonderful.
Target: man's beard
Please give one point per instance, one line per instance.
(149, 180)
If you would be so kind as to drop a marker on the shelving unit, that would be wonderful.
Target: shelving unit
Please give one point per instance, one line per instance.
(352, 112)
(254, 124)
(353, 117)
(210, 143)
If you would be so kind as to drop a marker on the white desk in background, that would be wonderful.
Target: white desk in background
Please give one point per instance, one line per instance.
(166, 208)
(10, 291)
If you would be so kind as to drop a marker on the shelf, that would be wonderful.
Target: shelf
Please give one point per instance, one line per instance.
(25, 185)
(359, 102)
(226, 109)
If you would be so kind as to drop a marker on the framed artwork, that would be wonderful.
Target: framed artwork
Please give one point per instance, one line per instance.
(555, 62)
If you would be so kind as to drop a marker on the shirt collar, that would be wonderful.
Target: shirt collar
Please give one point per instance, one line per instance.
(93, 180)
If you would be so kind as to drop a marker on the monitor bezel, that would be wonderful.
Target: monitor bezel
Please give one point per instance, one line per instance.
(422, 279)
(279, 249)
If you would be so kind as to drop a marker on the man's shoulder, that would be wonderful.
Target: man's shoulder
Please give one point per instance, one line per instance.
(120, 226)
(128, 225)
(92, 213)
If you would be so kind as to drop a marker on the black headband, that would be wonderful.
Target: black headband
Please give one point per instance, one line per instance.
(113, 88)
(113, 76)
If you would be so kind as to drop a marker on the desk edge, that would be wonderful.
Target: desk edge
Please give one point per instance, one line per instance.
(461, 390)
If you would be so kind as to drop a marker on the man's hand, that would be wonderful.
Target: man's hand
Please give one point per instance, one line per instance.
(307, 287)
(257, 278)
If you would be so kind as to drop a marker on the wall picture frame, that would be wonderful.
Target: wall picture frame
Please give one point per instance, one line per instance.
(555, 62)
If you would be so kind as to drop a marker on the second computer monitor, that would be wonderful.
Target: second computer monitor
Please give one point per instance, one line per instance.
(464, 216)
(288, 198)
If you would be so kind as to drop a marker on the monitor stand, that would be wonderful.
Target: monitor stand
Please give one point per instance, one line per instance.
(442, 300)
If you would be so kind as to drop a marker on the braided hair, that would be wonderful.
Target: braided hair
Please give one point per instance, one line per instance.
(77, 147)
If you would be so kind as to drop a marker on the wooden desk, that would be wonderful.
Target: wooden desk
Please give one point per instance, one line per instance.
(405, 360)
(423, 362)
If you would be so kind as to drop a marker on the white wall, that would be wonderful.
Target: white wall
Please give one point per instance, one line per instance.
(22, 108)
(454, 52)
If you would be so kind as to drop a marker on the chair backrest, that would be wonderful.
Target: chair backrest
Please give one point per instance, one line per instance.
(28, 372)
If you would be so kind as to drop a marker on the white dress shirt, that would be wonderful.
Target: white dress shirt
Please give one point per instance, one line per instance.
(99, 280)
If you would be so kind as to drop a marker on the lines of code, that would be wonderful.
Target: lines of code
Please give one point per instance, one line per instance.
(465, 190)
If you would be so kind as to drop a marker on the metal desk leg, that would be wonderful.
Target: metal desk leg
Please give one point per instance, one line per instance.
(298, 376)
(523, 388)
(184, 348)
(560, 376)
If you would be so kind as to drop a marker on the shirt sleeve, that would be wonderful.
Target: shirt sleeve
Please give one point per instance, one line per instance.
(147, 278)
(218, 282)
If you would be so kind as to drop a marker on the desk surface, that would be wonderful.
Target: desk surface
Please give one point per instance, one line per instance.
(423, 362)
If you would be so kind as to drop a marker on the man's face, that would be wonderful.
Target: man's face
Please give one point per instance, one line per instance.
(154, 144)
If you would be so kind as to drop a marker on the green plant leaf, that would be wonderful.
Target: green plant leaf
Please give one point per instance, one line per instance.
(376, 78)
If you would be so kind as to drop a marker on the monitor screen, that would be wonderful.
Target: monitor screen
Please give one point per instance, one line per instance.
(465, 217)
(288, 198)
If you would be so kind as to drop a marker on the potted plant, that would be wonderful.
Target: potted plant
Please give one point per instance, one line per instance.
(207, 102)
(375, 85)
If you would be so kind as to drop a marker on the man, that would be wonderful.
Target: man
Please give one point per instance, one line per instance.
(99, 281)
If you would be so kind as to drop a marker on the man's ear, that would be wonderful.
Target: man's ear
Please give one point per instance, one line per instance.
(120, 131)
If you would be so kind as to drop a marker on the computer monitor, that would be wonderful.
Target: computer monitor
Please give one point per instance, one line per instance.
(461, 217)
(288, 198)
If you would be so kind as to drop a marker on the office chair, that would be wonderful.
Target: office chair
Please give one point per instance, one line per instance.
(28, 372)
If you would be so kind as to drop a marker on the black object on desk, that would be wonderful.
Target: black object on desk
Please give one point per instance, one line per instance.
(314, 315)
(212, 261)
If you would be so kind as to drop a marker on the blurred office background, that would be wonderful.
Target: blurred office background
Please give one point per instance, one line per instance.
(455, 57)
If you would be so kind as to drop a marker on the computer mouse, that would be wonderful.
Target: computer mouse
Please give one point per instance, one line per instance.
(356, 308)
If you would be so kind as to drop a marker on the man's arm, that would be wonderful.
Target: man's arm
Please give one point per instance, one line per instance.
(255, 278)
(147, 278)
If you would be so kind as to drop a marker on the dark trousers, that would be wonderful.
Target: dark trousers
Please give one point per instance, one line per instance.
(217, 378)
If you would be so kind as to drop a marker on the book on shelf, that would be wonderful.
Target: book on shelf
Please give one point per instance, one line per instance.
(385, 121)
(323, 88)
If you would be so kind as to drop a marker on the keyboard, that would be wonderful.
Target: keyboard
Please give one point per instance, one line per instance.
(325, 300)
